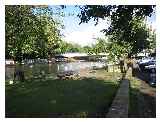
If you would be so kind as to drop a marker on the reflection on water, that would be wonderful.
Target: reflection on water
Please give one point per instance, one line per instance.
(48, 70)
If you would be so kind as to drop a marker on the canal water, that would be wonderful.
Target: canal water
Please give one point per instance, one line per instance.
(49, 70)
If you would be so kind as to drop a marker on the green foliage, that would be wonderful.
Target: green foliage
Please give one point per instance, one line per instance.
(137, 39)
(18, 20)
(152, 41)
(31, 32)
(99, 47)
(116, 51)
(126, 28)
(68, 47)
(88, 50)
(120, 15)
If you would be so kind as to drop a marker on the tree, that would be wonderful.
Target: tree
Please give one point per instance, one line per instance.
(152, 42)
(19, 21)
(31, 32)
(123, 20)
(87, 49)
(100, 46)
(137, 39)
(52, 33)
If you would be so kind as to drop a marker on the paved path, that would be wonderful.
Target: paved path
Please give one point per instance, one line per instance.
(119, 107)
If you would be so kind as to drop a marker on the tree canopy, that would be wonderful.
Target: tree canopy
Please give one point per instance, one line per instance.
(31, 31)
(126, 23)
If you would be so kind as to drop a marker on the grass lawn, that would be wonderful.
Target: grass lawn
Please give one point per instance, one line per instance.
(142, 100)
(88, 97)
(134, 94)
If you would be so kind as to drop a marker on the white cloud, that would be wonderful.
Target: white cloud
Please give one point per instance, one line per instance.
(87, 35)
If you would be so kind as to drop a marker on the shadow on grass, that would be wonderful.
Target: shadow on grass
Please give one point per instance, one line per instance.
(141, 105)
(60, 98)
(144, 76)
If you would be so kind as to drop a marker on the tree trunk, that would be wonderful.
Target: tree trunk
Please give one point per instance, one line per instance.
(113, 72)
(19, 55)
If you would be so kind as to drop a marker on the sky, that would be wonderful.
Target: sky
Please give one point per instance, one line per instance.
(86, 33)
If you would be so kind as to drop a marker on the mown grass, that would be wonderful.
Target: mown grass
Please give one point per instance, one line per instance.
(60, 98)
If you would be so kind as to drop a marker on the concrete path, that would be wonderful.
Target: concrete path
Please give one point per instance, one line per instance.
(119, 107)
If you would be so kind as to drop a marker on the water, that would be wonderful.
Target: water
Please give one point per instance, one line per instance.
(49, 71)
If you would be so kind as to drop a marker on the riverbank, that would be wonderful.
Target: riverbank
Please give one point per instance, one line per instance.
(90, 96)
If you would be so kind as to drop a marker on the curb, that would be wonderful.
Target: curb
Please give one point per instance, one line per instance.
(119, 107)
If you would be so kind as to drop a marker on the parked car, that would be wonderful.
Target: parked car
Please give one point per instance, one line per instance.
(151, 71)
(148, 70)
(146, 60)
